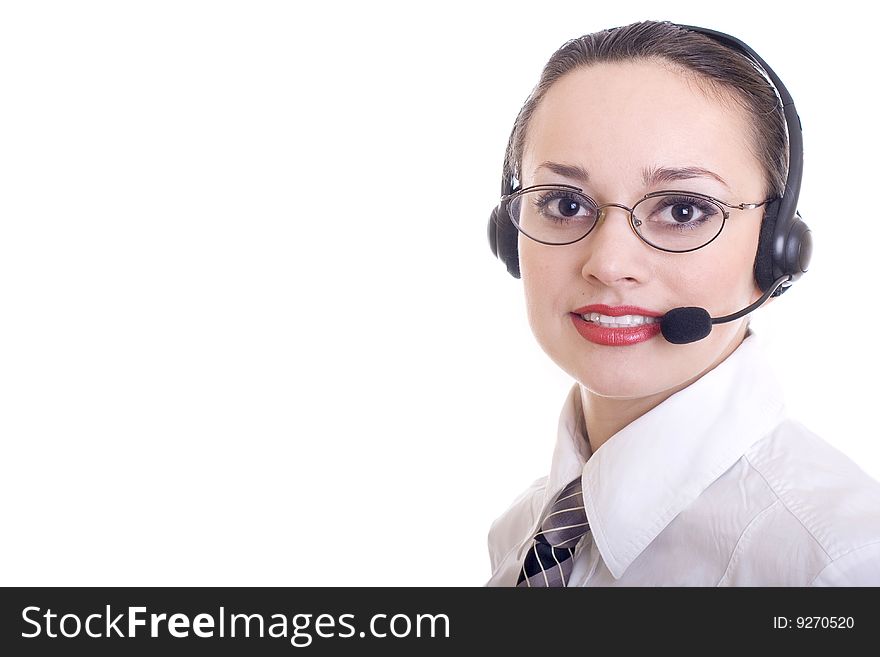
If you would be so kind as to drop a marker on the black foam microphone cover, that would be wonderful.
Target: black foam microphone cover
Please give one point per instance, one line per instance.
(686, 324)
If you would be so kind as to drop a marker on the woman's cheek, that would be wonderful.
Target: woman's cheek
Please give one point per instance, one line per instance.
(538, 312)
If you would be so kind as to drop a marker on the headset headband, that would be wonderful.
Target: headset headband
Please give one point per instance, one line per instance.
(788, 205)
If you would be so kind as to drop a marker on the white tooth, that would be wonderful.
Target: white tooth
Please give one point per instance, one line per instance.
(625, 320)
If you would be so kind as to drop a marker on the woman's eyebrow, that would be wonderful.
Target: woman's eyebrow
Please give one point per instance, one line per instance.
(650, 175)
(568, 170)
(656, 175)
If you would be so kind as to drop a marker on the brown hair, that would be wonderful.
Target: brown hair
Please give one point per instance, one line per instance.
(717, 69)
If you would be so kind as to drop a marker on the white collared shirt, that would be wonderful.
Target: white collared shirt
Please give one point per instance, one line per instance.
(715, 486)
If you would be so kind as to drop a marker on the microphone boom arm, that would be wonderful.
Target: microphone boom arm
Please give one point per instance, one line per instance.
(745, 311)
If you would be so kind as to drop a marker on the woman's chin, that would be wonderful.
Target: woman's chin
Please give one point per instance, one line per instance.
(622, 378)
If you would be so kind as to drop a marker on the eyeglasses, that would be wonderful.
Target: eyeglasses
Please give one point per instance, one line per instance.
(670, 220)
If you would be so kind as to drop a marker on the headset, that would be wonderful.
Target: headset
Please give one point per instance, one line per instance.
(785, 244)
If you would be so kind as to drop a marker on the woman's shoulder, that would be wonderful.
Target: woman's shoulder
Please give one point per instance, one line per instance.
(828, 493)
(794, 453)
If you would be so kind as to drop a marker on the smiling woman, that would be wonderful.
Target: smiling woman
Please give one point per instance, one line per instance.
(648, 205)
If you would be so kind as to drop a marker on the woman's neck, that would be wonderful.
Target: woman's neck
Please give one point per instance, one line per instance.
(605, 416)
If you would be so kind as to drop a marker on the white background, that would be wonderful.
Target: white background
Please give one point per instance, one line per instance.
(251, 332)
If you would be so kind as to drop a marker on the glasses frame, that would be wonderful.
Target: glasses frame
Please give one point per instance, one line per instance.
(507, 198)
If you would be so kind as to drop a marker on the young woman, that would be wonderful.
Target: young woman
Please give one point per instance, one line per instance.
(647, 171)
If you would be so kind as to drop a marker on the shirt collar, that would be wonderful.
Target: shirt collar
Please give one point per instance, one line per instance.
(653, 468)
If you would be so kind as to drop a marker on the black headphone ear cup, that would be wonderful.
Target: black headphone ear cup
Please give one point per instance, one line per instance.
(764, 255)
(794, 253)
(507, 236)
(798, 248)
(503, 237)
(492, 231)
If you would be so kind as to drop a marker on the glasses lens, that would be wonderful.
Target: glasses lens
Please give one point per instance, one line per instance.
(678, 222)
(554, 216)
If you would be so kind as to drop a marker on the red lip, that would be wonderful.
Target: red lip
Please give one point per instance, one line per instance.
(616, 311)
(615, 337)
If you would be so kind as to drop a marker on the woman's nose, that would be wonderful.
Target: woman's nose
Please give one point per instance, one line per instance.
(613, 251)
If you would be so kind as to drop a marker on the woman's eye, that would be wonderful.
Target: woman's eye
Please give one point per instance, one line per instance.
(565, 207)
(568, 207)
(681, 212)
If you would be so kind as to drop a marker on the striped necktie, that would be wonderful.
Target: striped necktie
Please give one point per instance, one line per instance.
(550, 559)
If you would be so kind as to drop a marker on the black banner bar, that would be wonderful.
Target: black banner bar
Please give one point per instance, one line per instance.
(389, 621)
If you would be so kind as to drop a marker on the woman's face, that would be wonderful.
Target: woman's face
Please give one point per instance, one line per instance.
(616, 121)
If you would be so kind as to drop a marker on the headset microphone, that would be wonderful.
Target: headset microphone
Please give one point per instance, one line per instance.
(691, 323)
